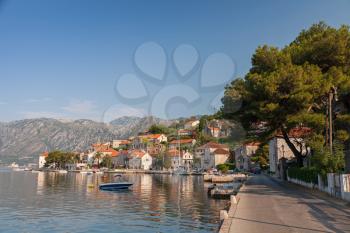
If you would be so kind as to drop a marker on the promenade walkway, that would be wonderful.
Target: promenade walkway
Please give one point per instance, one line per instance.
(270, 206)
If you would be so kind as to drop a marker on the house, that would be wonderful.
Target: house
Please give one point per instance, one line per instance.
(42, 159)
(103, 149)
(187, 161)
(155, 149)
(180, 160)
(181, 143)
(185, 132)
(139, 159)
(191, 124)
(243, 155)
(141, 141)
(217, 128)
(212, 154)
(278, 147)
(213, 131)
(119, 160)
(120, 143)
(175, 158)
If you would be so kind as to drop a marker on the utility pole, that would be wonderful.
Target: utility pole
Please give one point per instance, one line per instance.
(332, 96)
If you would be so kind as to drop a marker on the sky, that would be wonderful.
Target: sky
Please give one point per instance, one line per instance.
(100, 60)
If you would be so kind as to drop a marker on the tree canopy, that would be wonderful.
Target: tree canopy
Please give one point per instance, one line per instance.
(288, 88)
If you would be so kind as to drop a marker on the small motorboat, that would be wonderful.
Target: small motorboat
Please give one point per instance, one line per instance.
(115, 185)
(62, 171)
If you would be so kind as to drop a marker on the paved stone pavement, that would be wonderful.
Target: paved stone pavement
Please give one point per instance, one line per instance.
(270, 206)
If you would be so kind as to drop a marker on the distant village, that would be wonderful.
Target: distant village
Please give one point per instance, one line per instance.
(193, 145)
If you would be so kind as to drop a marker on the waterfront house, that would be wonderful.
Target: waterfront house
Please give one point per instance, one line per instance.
(175, 158)
(119, 160)
(42, 159)
(212, 154)
(187, 160)
(182, 143)
(243, 155)
(139, 159)
(278, 147)
(180, 160)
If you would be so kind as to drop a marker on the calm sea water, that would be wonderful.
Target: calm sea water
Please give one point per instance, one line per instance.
(51, 202)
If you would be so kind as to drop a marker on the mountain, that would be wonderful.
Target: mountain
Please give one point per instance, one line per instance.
(130, 126)
(24, 140)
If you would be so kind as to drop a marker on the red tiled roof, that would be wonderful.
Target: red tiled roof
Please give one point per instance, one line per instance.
(221, 151)
(113, 152)
(297, 132)
(45, 154)
(137, 153)
(173, 152)
(182, 141)
(151, 136)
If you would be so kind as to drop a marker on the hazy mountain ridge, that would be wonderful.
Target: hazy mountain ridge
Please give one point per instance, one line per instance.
(28, 138)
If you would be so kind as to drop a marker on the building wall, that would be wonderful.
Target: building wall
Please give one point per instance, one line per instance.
(175, 162)
(135, 163)
(278, 148)
(243, 154)
(146, 162)
(220, 159)
(119, 160)
(42, 161)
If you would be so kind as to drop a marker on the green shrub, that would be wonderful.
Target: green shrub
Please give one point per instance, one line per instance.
(309, 175)
(225, 167)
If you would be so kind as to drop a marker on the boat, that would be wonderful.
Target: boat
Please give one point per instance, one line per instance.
(13, 165)
(27, 169)
(115, 185)
(62, 171)
(18, 169)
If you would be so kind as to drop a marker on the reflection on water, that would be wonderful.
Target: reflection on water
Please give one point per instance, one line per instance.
(52, 202)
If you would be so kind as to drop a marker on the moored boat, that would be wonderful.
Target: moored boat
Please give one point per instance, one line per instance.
(115, 186)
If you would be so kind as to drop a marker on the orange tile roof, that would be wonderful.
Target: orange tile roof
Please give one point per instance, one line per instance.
(221, 151)
(151, 136)
(107, 149)
(137, 153)
(173, 152)
(297, 132)
(183, 141)
(45, 154)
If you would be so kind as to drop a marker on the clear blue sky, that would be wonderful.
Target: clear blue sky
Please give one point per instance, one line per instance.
(62, 58)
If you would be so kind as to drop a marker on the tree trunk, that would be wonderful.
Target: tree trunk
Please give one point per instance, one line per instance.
(298, 154)
(347, 156)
